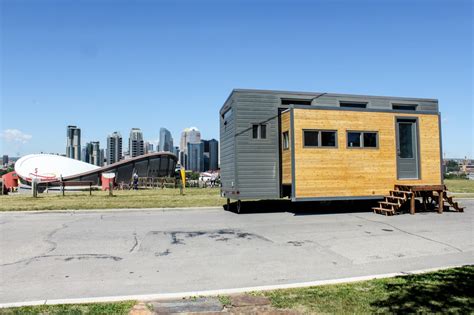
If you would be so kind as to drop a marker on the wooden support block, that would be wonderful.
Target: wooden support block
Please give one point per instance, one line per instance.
(412, 204)
(440, 201)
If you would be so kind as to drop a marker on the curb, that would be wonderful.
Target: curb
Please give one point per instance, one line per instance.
(109, 210)
(180, 295)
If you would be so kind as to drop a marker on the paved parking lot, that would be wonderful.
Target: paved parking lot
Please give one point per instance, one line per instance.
(59, 255)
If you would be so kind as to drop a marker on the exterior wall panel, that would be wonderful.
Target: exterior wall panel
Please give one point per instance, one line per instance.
(257, 160)
(342, 171)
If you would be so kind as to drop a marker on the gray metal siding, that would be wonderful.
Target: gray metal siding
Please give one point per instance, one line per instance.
(227, 151)
(375, 102)
(257, 160)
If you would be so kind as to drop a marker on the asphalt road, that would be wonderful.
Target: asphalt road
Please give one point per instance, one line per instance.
(94, 254)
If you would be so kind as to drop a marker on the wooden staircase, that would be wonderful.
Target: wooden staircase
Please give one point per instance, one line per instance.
(393, 202)
(430, 195)
(450, 202)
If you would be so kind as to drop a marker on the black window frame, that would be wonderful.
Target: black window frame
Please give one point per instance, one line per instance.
(353, 104)
(405, 107)
(294, 101)
(257, 127)
(285, 138)
(362, 140)
(319, 138)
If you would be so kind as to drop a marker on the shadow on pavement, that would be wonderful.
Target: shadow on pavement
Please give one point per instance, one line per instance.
(304, 208)
(444, 292)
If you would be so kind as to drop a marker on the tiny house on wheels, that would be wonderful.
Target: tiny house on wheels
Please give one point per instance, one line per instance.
(326, 146)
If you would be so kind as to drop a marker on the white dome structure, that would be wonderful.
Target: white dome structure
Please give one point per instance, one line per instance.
(50, 167)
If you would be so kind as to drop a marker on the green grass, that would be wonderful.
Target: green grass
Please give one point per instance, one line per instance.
(72, 309)
(225, 300)
(460, 185)
(445, 292)
(153, 198)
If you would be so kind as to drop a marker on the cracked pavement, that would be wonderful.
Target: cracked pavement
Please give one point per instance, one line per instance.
(59, 255)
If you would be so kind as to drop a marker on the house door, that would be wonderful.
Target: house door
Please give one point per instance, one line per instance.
(407, 149)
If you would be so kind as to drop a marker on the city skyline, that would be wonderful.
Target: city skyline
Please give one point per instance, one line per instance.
(102, 65)
(205, 158)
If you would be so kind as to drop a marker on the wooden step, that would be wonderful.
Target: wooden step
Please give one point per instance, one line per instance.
(395, 197)
(383, 211)
(389, 203)
(401, 192)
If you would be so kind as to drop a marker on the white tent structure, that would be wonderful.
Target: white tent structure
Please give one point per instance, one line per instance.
(50, 167)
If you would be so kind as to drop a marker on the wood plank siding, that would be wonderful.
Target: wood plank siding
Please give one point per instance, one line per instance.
(286, 154)
(342, 171)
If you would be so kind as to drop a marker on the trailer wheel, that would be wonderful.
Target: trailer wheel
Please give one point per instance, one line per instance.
(239, 206)
(228, 204)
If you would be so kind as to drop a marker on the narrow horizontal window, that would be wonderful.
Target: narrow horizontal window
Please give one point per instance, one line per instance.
(404, 106)
(286, 140)
(353, 104)
(319, 138)
(362, 139)
(295, 102)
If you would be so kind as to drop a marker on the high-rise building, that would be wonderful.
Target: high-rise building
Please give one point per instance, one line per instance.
(86, 154)
(195, 157)
(176, 151)
(114, 147)
(189, 135)
(211, 154)
(5, 160)
(102, 157)
(136, 146)
(166, 141)
(95, 157)
(73, 142)
(148, 147)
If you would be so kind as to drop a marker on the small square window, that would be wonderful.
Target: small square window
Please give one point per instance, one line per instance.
(286, 140)
(353, 140)
(310, 138)
(370, 139)
(263, 131)
(328, 138)
(255, 131)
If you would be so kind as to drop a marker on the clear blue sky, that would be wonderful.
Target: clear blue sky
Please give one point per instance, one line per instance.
(112, 65)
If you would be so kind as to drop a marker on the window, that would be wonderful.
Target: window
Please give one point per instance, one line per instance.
(404, 106)
(263, 131)
(227, 114)
(286, 140)
(362, 139)
(353, 140)
(255, 131)
(328, 139)
(370, 139)
(319, 138)
(353, 104)
(259, 131)
(295, 102)
(311, 138)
